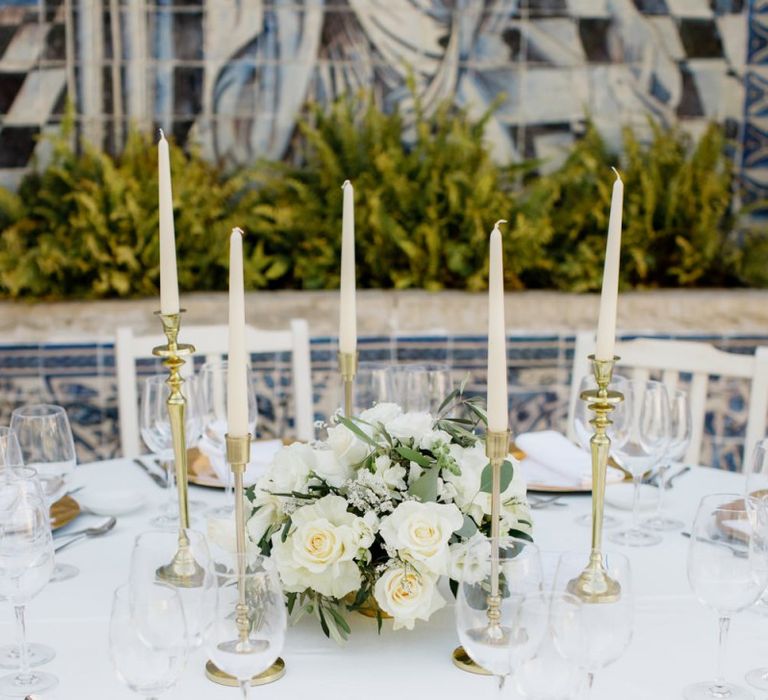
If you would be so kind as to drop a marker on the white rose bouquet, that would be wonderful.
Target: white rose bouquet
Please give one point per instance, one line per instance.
(374, 515)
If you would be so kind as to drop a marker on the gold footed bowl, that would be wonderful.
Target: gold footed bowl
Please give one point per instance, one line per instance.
(274, 673)
(463, 661)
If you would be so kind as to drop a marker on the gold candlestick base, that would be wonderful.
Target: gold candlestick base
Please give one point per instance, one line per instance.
(182, 571)
(594, 585)
(274, 673)
(348, 369)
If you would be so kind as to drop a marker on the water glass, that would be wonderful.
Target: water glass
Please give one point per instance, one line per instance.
(47, 445)
(26, 563)
(245, 651)
(148, 638)
(418, 388)
(727, 571)
(592, 635)
(10, 450)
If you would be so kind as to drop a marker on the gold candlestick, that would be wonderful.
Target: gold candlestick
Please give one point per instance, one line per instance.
(182, 571)
(238, 456)
(496, 449)
(594, 585)
(348, 368)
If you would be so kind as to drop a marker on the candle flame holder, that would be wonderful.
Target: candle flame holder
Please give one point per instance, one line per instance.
(594, 585)
(348, 368)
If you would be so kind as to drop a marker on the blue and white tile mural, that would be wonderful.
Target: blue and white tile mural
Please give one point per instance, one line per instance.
(234, 74)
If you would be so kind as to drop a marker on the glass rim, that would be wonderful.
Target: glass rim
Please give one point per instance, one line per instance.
(20, 472)
(124, 592)
(39, 410)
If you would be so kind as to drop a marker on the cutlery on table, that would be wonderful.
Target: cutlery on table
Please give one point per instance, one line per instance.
(88, 532)
(539, 502)
(672, 478)
(152, 475)
(735, 550)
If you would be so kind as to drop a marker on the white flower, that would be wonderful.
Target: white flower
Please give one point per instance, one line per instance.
(372, 521)
(329, 467)
(420, 532)
(348, 447)
(414, 472)
(470, 560)
(407, 594)
(382, 463)
(320, 549)
(432, 438)
(381, 413)
(394, 477)
(410, 425)
(291, 467)
(267, 511)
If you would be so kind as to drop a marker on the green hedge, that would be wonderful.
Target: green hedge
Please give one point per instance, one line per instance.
(86, 226)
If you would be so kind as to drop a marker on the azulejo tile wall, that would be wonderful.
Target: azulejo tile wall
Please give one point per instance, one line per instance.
(233, 76)
(82, 378)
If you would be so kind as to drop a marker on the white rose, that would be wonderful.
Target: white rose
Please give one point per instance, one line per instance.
(470, 560)
(420, 532)
(290, 468)
(348, 447)
(410, 425)
(381, 413)
(329, 467)
(320, 549)
(407, 595)
(267, 511)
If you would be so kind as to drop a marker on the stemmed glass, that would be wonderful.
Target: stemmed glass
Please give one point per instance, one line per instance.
(47, 445)
(371, 386)
(10, 450)
(156, 432)
(418, 387)
(647, 407)
(148, 638)
(595, 634)
(245, 651)
(26, 563)
(213, 397)
(523, 609)
(155, 549)
(726, 579)
(679, 439)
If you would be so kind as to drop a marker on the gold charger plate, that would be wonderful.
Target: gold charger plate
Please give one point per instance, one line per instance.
(63, 512)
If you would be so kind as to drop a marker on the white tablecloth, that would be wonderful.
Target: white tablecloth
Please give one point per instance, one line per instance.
(673, 645)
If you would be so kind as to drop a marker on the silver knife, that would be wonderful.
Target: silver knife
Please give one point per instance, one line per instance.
(152, 475)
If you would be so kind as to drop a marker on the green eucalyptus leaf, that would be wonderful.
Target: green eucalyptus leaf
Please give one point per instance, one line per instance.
(486, 478)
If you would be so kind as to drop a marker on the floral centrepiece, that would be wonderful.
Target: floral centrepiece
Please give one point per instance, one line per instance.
(381, 510)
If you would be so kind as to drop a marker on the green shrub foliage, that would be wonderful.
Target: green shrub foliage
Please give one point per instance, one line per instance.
(427, 192)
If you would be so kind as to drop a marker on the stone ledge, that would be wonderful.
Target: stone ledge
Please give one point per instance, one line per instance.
(388, 312)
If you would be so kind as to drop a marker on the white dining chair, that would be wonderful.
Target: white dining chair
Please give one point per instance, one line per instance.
(675, 357)
(211, 343)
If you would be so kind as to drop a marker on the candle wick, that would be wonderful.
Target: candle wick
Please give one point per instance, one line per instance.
(618, 177)
(237, 229)
(162, 135)
(346, 182)
(500, 221)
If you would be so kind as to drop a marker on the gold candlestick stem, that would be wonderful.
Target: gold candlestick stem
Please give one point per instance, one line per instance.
(183, 570)
(348, 368)
(594, 585)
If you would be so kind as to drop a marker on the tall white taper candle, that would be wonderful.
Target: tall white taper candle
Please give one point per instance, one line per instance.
(169, 286)
(347, 307)
(237, 400)
(606, 324)
(497, 337)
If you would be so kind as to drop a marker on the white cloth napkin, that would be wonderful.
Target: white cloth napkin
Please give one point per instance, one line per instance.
(262, 453)
(551, 459)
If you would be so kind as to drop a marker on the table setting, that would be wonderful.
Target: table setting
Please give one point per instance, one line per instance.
(415, 546)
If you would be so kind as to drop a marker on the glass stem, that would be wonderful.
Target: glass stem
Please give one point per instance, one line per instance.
(501, 679)
(636, 501)
(590, 683)
(244, 685)
(170, 475)
(722, 640)
(21, 638)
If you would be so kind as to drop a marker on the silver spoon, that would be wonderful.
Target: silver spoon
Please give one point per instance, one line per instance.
(736, 551)
(88, 532)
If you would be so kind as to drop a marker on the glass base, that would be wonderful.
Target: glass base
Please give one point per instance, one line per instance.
(225, 512)
(711, 690)
(609, 521)
(635, 538)
(758, 678)
(37, 654)
(17, 686)
(63, 572)
(662, 523)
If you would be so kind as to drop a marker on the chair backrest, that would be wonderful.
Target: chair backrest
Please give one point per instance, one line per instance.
(675, 357)
(211, 342)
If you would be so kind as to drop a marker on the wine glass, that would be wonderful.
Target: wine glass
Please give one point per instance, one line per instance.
(156, 432)
(47, 445)
(154, 550)
(148, 638)
(679, 439)
(726, 579)
(418, 387)
(617, 430)
(213, 397)
(522, 609)
(371, 386)
(595, 634)
(245, 651)
(10, 450)
(647, 407)
(26, 563)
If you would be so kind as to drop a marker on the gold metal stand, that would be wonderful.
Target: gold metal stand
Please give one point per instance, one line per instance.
(496, 449)
(348, 367)
(182, 571)
(238, 456)
(594, 585)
